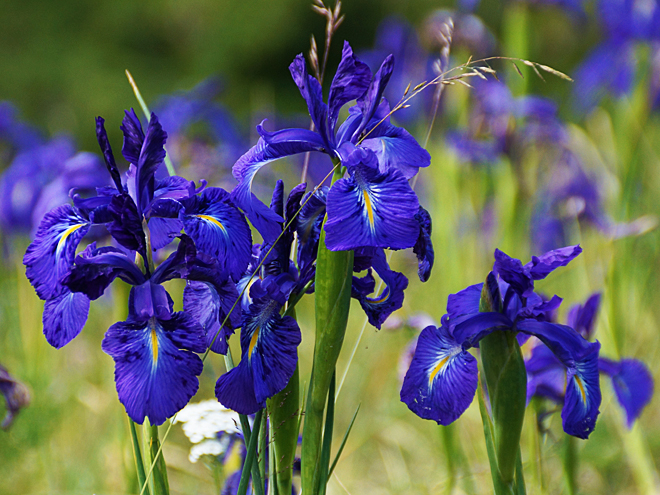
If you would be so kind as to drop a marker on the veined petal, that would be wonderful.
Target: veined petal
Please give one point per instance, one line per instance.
(50, 256)
(152, 155)
(269, 343)
(163, 231)
(64, 317)
(219, 229)
(350, 82)
(580, 358)
(442, 378)
(633, 385)
(371, 100)
(210, 306)
(371, 209)
(133, 137)
(155, 373)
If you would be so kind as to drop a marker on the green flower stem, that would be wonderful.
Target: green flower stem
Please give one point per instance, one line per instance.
(334, 270)
(249, 464)
(284, 411)
(137, 454)
(158, 482)
(448, 436)
(570, 464)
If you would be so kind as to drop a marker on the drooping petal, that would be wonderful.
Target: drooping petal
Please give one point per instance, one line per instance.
(442, 378)
(350, 82)
(270, 146)
(64, 317)
(390, 299)
(580, 358)
(219, 229)
(371, 209)
(269, 345)
(423, 248)
(50, 256)
(155, 370)
(541, 266)
(633, 385)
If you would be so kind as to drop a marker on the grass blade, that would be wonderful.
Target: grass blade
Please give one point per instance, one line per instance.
(343, 442)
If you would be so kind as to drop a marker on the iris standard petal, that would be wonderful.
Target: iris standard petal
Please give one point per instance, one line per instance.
(371, 209)
(511, 270)
(350, 82)
(541, 266)
(633, 385)
(64, 317)
(442, 378)
(152, 155)
(311, 91)
(126, 224)
(219, 229)
(133, 137)
(50, 256)
(155, 370)
(371, 101)
(583, 317)
(108, 157)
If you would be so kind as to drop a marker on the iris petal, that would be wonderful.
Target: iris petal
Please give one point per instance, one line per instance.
(50, 256)
(633, 385)
(442, 378)
(64, 317)
(155, 370)
(371, 209)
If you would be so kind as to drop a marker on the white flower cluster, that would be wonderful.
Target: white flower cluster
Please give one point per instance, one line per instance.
(202, 421)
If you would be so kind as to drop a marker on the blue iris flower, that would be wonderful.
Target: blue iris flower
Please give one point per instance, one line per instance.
(631, 379)
(379, 155)
(156, 367)
(442, 378)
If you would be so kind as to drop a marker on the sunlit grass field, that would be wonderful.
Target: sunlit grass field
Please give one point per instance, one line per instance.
(74, 438)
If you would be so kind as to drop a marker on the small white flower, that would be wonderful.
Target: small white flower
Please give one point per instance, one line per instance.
(204, 420)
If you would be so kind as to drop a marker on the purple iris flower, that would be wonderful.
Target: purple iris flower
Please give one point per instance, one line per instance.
(367, 131)
(156, 367)
(610, 67)
(631, 379)
(442, 378)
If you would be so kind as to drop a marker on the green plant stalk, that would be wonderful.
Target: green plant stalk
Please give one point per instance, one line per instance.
(334, 270)
(448, 436)
(506, 379)
(570, 464)
(516, 42)
(158, 482)
(284, 411)
(249, 457)
(137, 454)
(322, 477)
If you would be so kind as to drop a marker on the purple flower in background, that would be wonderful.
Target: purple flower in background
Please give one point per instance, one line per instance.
(442, 378)
(611, 66)
(203, 137)
(16, 396)
(631, 379)
(366, 132)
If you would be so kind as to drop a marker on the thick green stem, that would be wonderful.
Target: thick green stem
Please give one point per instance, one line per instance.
(334, 270)
(158, 482)
(284, 411)
(570, 464)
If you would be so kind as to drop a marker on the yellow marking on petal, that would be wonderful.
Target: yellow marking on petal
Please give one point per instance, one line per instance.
(253, 341)
(370, 209)
(382, 298)
(580, 385)
(212, 220)
(437, 369)
(65, 236)
(154, 345)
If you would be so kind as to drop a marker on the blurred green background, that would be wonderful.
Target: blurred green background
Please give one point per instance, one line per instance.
(63, 64)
